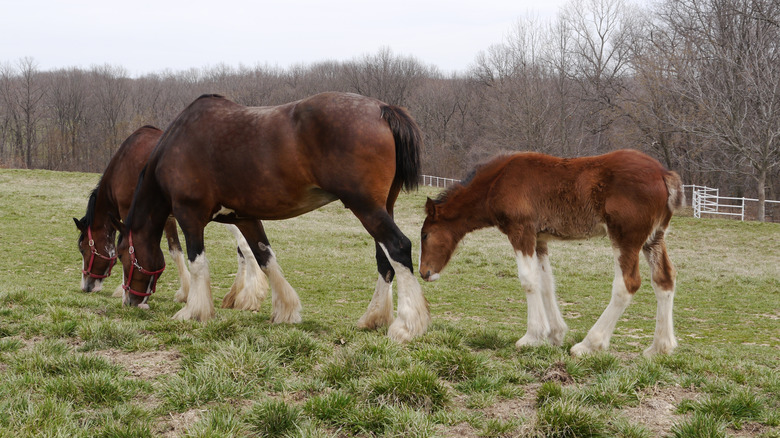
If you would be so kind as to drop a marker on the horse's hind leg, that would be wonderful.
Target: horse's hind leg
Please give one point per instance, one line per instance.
(663, 277)
(558, 327)
(286, 306)
(625, 284)
(380, 311)
(250, 287)
(413, 312)
(177, 255)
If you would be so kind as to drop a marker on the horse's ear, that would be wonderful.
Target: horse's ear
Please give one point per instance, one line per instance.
(430, 208)
(79, 224)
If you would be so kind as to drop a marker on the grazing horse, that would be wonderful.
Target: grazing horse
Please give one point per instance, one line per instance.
(110, 201)
(535, 198)
(220, 161)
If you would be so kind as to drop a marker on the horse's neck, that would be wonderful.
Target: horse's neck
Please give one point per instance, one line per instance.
(471, 210)
(149, 210)
(104, 208)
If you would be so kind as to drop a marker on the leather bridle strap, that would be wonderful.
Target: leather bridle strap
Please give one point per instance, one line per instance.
(134, 265)
(93, 253)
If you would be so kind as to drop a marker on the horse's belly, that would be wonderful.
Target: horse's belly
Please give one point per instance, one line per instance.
(292, 206)
(573, 233)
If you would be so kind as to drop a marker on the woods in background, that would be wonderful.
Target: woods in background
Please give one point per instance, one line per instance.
(695, 83)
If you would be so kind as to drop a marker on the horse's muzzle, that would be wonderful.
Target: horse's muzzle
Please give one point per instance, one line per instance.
(429, 276)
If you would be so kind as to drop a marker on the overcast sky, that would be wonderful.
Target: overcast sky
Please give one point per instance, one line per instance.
(153, 36)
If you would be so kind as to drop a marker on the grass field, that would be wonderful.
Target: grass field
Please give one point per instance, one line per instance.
(80, 365)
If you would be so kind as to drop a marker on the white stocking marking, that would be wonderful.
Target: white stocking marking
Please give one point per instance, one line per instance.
(600, 334)
(200, 305)
(286, 306)
(413, 312)
(380, 311)
(538, 327)
(184, 276)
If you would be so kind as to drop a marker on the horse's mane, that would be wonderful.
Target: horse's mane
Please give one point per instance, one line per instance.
(463, 183)
(89, 216)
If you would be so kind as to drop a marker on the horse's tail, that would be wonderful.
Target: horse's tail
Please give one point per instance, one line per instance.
(408, 141)
(674, 188)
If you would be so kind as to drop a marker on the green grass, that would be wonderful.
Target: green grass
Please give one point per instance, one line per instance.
(81, 365)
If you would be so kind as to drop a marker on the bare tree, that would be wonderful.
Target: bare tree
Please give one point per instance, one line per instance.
(22, 93)
(729, 70)
(601, 43)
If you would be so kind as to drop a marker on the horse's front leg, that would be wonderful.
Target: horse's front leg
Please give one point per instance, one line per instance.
(177, 255)
(200, 305)
(529, 268)
(413, 313)
(286, 306)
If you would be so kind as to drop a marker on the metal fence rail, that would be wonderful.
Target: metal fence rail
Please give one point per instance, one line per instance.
(707, 200)
(437, 181)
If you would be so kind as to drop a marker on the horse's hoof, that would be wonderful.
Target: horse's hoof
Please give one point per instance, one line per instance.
(580, 349)
(289, 318)
(529, 341)
(372, 322)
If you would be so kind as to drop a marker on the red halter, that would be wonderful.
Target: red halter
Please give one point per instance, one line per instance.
(93, 253)
(134, 264)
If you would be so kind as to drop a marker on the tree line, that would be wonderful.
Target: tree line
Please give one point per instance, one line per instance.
(695, 83)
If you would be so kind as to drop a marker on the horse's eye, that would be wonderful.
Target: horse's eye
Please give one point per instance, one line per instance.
(424, 236)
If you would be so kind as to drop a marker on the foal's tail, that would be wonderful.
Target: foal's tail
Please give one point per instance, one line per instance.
(674, 188)
(408, 141)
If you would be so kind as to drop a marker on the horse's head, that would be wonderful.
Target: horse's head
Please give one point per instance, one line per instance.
(142, 265)
(98, 254)
(438, 241)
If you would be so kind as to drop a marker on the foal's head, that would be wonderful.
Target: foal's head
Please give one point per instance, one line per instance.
(439, 238)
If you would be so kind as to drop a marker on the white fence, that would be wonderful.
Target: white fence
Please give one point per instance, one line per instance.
(437, 181)
(706, 200)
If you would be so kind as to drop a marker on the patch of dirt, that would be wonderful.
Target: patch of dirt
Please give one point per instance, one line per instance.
(656, 409)
(178, 423)
(145, 365)
(557, 373)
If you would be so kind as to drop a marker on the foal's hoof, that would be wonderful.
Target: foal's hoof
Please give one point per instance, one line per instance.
(529, 341)
(581, 349)
(660, 348)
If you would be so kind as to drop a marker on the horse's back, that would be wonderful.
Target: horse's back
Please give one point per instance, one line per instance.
(277, 161)
(575, 197)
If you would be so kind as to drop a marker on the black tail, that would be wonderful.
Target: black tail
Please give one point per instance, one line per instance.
(408, 141)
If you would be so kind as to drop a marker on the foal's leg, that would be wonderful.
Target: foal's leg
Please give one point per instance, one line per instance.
(250, 287)
(380, 310)
(663, 277)
(625, 284)
(285, 304)
(177, 255)
(200, 305)
(558, 326)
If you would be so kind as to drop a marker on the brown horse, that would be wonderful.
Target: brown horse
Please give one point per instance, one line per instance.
(110, 201)
(535, 198)
(220, 161)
